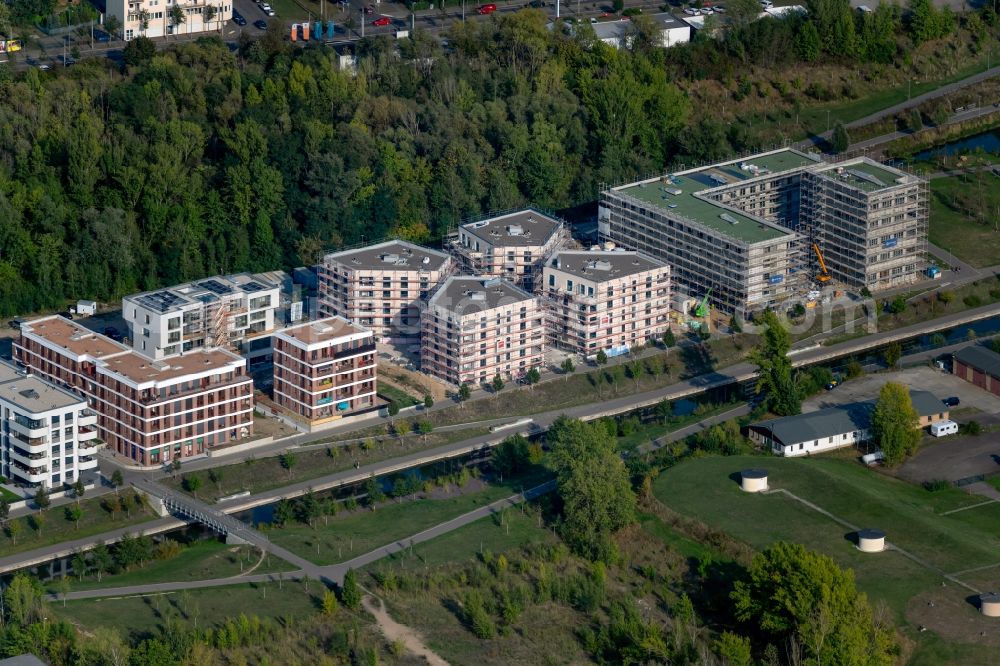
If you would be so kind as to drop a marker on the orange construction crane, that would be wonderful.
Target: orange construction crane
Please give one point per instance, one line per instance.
(824, 275)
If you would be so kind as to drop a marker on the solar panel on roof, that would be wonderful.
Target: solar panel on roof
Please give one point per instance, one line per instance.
(216, 287)
(253, 287)
(161, 301)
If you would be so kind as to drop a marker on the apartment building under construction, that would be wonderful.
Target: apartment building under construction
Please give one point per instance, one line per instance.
(513, 246)
(748, 229)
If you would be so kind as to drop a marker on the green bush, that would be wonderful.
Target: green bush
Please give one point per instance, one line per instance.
(972, 301)
(936, 485)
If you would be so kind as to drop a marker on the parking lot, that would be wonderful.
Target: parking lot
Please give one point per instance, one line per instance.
(923, 378)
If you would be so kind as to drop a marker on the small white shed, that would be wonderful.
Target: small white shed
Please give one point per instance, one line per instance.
(86, 308)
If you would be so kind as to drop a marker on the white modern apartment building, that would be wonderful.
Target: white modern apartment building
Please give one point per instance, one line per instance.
(475, 328)
(513, 246)
(152, 18)
(221, 311)
(602, 300)
(383, 287)
(147, 410)
(49, 435)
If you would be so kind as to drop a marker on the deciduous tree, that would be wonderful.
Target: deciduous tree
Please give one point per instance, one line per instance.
(774, 368)
(895, 423)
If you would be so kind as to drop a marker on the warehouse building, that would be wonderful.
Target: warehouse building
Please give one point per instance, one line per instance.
(601, 301)
(834, 427)
(980, 366)
(745, 229)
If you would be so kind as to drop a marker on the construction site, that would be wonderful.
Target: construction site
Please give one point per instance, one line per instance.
(779, 227)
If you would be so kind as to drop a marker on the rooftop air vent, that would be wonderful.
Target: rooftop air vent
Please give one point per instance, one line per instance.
(29, 393)
(478, 296)
(425, 260)
(390, 258)
(515, 230)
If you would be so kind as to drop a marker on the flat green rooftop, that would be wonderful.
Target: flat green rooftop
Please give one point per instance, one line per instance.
(735, 225)
(877, 174)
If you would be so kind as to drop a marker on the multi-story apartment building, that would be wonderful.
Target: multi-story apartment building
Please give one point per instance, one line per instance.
(475, 328)
(221, 311)
(382, 287)
(49, 435)
(870, 221)
(324, 371)
(149, 411)
(745, 228)
(605, 300)
(512, 246)
(152, 18)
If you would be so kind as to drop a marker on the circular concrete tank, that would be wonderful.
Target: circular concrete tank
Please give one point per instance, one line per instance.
(871, 541)
(989, 604)
(753, 480)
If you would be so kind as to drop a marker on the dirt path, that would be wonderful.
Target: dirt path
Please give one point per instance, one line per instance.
(395, 631)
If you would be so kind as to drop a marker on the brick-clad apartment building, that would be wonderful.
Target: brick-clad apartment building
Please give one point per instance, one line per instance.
(382, 287)
(149, 411)
(603, 300)
(324, 370)
(476, 328)
(980, 366)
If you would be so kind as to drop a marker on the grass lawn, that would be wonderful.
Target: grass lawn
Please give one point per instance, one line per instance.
(518, 530)
(203, 559)
(342, 538)
(683, 545)
(593, 384)
(138, 617)
(260, 474)
(55, 528)
(393, 394)
(9, 496)
(648, 432)
(954, 229)
(911, 516)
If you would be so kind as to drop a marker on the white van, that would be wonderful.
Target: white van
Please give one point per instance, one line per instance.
(942, 428)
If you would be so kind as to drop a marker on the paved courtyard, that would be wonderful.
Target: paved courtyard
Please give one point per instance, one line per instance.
(924, 378)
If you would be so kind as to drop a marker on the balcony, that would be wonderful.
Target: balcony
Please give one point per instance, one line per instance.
(32, 444)
(86, 462)
(31, 429)
(26, 459)
(355, 351)
(87, 433)
(88, 417)
(31, 475)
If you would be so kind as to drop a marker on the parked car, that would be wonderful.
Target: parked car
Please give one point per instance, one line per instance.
(382, 21)
(487, 9)
(690, 11)
(67, 60)
(102, 36)
(369, 9)
(537, 4)
(238, 19)
(953, 401)
(40, 64)
(16, 324)
(260, 24)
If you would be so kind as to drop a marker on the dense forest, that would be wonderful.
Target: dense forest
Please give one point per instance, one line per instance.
(199, 160)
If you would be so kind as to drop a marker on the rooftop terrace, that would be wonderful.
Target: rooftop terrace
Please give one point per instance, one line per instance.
(330, 329)
(677, 193)
(866, 175)
(72, 337)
